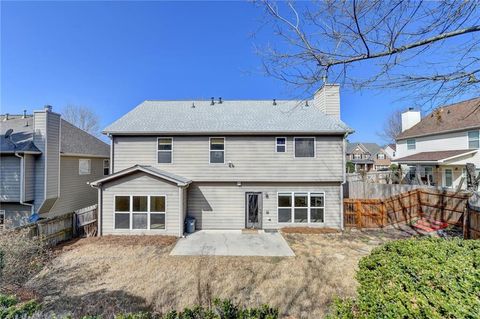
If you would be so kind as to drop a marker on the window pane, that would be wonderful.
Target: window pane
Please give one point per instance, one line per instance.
(448, 178)
(122, 221)
(106, 171)
(84, 166)
(281, 141)
(284, 215)
(122, 203)
(284, 200)
(316, 215)
(139, 203)
(164, 157)
(304, 147)
(301, 200)
(165, 147)
(301, 215)
(316, 200)
(473, 144)
(216, 157)
(157, 203)
(217, 144)
(280, 148)
(139, 221)
(157, 221)
(411, 144)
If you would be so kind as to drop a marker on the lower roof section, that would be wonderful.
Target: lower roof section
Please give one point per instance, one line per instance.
(434, 157)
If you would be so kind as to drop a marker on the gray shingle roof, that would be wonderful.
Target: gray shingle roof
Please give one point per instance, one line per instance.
(372, 148)
(228, 117)
(73, 140)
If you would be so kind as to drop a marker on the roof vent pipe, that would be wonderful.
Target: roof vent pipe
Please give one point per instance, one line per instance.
(193, 105)
(213, 102)
(47, 108)
(410, 109)
(274, 102)
(306, 103)
(6, 117)
(24, 114)
(220, 100)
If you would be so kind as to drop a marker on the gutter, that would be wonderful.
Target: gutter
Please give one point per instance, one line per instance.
(22, 182)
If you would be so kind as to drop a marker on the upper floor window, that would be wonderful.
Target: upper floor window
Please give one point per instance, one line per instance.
(366, 156)
(84, 166)
(280, 144)
(164, 150)
(473, 139)
(106, 167)
(304, 146)
(381, 156)
(411, 144)
(357, 156)
(217, 150)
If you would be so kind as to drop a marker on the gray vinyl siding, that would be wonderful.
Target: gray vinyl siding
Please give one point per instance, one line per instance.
(252, 158)
(16, 214)
(75, 193)
(141, 184)
(39, 136)
(29, 164)
(53, 153)
(10, 179)
(222, 205)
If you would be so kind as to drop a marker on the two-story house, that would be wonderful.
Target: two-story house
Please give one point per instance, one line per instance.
(229, 164)
(367, 157)
(45, 164)
(436, 148)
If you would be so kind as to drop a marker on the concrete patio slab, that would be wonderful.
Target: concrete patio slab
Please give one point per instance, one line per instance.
(232, 243)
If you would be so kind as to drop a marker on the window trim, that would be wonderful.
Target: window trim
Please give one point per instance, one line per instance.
(89, 166)
(276, 144)
(108, 167)
(383, 154)
(171, 151)
(131, 212)
(445, 177)
(414, 144)
(314, 147)
(309, 207)
(210, 150)
(478, 139)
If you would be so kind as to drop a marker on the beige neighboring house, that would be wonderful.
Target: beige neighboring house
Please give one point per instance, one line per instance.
(391, 150)
(436, 148)
(45, 166)
(367, 157)
(263, 164)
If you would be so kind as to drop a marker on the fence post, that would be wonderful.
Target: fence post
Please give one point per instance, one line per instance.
(358, 214)
(466, 222)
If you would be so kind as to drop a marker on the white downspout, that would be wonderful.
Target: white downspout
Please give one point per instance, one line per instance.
(22, 182)
(344, 177)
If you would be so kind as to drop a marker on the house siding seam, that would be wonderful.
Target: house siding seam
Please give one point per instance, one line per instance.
(253, 158)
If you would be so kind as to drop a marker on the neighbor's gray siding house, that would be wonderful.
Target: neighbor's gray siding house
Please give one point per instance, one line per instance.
(46, 164)
(229, 164)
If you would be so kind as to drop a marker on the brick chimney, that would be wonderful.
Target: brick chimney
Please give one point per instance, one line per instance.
(327, 99)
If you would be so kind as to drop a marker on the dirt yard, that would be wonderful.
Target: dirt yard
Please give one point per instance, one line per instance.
(112, 274)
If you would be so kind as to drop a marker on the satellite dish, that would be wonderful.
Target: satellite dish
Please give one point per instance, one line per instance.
(8, 133)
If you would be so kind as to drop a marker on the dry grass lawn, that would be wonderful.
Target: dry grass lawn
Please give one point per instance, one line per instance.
(111, 274)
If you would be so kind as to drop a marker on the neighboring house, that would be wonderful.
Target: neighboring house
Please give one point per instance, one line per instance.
(229, 164)
(436, 148)
(367, 157)
(45, 164)
(391, 150)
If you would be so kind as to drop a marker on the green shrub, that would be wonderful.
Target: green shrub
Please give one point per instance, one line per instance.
(417, 278)
(11, 308)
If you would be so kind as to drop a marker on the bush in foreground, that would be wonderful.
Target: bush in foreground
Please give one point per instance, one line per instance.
(417, 278)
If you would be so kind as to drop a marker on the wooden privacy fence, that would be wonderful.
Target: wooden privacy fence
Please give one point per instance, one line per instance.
(375, 213)
(472, 224)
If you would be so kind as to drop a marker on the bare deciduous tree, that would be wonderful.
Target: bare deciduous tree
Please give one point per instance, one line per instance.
(429, 48)
(391, 127)
(82, 117)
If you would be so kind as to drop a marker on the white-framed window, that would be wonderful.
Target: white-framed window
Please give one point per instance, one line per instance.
(357, 156)
(84, 166)
(380, 156)
(304, 147)
(164, 150)
(280, 144)
(2, 219)
(217, 150)
(411, 144)
(301, 207)
(140, 212)
(448, 177)
(473, 140)
(106, 167)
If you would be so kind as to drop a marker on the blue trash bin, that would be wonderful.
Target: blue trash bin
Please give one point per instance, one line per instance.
(190, 225)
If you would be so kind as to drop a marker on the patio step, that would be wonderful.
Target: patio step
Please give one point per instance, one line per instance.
(249, 231)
